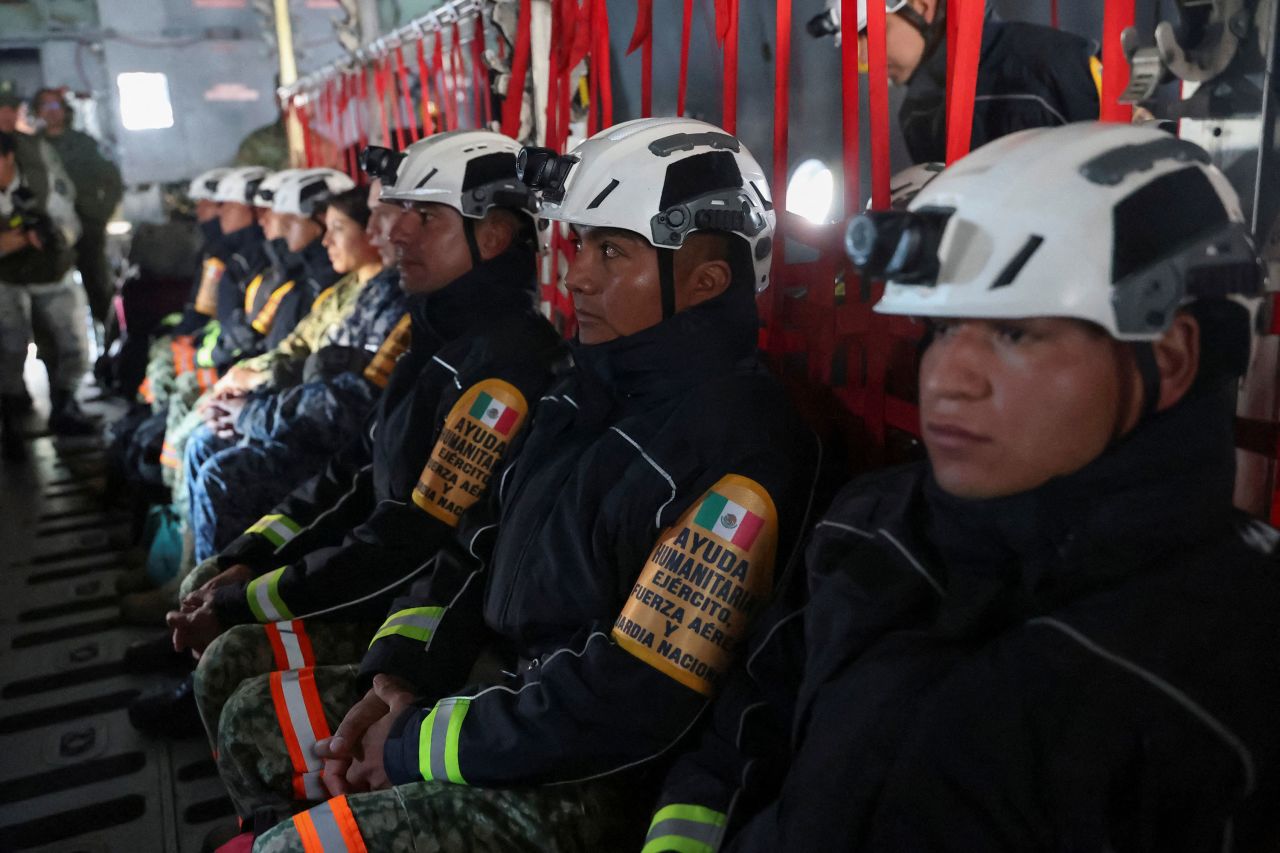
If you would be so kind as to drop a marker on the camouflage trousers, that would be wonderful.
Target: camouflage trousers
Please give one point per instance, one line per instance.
(265, 768)
(181, 421)
(438, 817)
(58, 308)
(243, 652)
(204, 572)
(161, 372)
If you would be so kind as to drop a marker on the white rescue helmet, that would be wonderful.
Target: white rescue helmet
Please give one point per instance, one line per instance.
(471, 171)
(300, 193)
(205, 184)
(238, 185)
(828, 22)
(661, 178)
(266, 192)
(1110, 223)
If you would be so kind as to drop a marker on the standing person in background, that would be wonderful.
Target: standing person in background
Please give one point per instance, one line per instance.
(36, 157)
(37, 229)
(99, 189)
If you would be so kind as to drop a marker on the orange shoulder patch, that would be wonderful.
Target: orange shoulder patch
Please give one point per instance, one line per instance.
(703, 582)
(475, 437)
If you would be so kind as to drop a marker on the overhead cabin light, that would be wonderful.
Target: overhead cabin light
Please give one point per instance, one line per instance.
(144, 100)
(119, 227)
(811, 191)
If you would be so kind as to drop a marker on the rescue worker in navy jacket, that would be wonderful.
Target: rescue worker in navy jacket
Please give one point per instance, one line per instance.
(1028, 75)
(1056, 633)
(466, 239)
(660, 489)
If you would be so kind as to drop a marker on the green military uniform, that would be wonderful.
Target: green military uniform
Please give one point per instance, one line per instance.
(99, 189)
(438, 817)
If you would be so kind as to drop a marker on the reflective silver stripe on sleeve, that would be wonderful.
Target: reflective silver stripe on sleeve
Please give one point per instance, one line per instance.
(297, 706)
(292, 648)
(703, 833)
(327, 828)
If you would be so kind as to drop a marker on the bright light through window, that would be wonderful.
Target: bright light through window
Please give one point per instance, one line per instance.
(144, 101)
(811, 190)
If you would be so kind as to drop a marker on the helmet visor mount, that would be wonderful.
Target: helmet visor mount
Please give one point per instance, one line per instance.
(730, 211)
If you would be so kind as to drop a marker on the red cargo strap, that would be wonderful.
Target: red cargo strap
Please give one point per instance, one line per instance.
(448, 106)
(519, 69)
(362, 116)
(480, 75)
(963, 82)
(380, 89)
(1053, 13)
(877, 60)
(458, 64)
(424, 80)
(686, 32)
(348, 151)
(601, 75)
(410, 114)
(393, 106)
(727, 26)
(642, 37)
(1116, 16)
(781, 123)
(850, 118)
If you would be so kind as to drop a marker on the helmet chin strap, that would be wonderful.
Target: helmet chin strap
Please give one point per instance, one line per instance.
(1145, 355)
(931, 32)
(667, 281)
(469, 229)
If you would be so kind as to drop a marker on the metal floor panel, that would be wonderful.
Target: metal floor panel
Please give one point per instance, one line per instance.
(75, 776)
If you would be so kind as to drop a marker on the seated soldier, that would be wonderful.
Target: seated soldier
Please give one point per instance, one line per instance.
(1029, 75)
(232, 251)
(1056, 633)
(663, 483)
(467, 243)
(285, 435)
(238, 335)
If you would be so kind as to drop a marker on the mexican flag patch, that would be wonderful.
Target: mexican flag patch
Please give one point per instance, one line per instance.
(728, 520)
(497, 416)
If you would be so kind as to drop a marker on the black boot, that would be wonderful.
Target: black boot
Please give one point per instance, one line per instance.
(66, 417)
(12, 435)
(167, 711)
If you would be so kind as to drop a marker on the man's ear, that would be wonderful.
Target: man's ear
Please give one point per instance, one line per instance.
(707, 280)
(495, 234)
(1178, 359)
(928, 9)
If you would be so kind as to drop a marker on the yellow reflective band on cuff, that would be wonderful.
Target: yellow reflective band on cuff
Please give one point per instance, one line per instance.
(204, 354)
(415, 623)
(276, 529)
(438, 741)
(264, 598)
(685, 828)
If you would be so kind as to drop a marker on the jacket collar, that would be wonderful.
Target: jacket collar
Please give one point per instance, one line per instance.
(666, 360)
(1165, 488)
(501, 285)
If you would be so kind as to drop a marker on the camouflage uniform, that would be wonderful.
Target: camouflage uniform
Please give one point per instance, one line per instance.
(160, 372)
(253, 758)
(198, 577)
(248, 652)
(439, 817)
